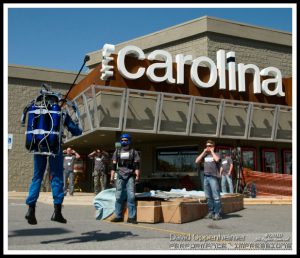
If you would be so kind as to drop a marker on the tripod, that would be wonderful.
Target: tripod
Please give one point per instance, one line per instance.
(240, 180)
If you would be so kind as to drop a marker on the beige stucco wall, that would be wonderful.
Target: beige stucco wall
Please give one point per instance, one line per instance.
(248, 51)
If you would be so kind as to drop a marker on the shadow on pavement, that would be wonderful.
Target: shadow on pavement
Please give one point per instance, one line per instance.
(92, 236)
(230, 215)
(38, 232)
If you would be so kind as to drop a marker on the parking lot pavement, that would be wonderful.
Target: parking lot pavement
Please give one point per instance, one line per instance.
(254, 224)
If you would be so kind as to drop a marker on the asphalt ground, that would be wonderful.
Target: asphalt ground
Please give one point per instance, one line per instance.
(256, 227)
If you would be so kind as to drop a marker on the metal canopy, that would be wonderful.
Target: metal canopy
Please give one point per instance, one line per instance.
(121, 109)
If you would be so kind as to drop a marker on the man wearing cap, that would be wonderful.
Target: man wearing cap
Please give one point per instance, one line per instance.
(211, 182)
(126, 162)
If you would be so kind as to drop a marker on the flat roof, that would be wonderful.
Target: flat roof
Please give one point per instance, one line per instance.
(43, 74)
(198, 26)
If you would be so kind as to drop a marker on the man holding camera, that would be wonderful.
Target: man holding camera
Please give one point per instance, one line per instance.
(100, 169)
(211, 182)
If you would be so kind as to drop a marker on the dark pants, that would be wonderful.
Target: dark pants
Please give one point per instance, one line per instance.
(99, 181)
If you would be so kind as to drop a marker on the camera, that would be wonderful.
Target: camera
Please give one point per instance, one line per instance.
(236, 155)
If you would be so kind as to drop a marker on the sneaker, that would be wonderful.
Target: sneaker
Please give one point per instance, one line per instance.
(117, 219)
(217, 217)
(131, 220)
(210, 215)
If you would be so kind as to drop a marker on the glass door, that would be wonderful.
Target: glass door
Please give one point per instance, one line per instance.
(287, 162)
(249, 158)
(270, 160)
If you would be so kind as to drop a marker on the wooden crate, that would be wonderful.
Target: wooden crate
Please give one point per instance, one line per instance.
(182, 210)
(232, 202)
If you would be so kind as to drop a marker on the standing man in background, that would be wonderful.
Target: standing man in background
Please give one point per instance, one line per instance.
(100, 169)
(211, 182)
(69, 160)
(226, 172)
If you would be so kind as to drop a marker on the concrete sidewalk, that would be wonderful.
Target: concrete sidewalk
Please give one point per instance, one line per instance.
(80, 198)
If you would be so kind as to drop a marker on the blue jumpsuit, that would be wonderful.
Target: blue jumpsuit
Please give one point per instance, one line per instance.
(56, 170)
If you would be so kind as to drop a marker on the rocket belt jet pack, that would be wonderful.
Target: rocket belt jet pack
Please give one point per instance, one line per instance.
(45, 122)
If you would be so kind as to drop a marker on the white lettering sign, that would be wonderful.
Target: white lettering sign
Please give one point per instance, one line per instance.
(213, 72)
(167, 64)
(134, 51)
(225, 61)
(106, 69)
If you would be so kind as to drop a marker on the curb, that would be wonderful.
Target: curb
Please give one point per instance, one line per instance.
(46, 197)
(267, 201)
(80, 198)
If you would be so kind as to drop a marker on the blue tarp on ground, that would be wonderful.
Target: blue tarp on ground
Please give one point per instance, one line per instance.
(104, 203)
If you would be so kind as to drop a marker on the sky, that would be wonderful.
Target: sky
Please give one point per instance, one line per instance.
(59, 38)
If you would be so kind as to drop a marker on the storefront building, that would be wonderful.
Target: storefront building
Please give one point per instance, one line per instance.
(174, 89)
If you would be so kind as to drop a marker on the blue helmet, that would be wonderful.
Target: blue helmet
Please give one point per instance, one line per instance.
(125, 142)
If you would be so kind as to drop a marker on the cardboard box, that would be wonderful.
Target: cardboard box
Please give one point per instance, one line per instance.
(149, 211)
(146, 212)
(182, 210)
(125, 214)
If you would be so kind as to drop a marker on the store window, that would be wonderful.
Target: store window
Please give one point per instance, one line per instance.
(176, 160)
(270, 160)
(287, 162)
(249, 158)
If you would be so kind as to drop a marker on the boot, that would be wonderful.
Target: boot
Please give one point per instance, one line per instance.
(57, 216)
(30, 215)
